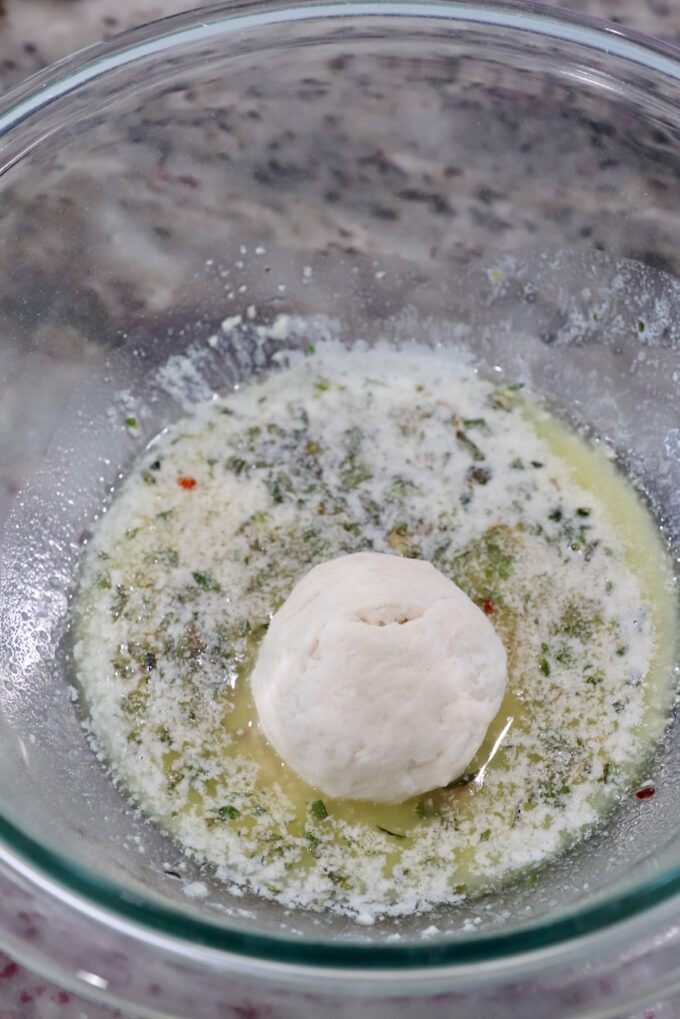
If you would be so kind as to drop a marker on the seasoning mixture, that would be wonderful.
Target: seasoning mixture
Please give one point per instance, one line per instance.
(412, 452)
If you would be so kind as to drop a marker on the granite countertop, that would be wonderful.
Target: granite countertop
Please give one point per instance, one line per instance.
(33, 33)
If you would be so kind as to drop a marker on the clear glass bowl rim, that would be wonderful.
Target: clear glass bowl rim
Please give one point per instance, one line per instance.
(106, 900)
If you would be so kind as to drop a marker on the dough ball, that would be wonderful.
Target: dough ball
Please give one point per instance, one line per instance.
(378, 678)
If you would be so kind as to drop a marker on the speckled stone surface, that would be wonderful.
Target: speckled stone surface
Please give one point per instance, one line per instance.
(34, 33)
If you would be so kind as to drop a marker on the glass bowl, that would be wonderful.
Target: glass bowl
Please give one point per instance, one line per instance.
(492, 174)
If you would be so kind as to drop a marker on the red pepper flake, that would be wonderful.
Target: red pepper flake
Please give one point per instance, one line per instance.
(645, 792)
(9, 971)
(25, 997)
(186, 482)
(488, 607)
(63, 998)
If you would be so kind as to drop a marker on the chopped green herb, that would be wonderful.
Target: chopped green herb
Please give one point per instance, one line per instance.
(318, 810)
(517, 464)
(354, 474)
(119, 602)
(468, 445)
(582, 511)
(394, 834)
(641, 325)
(148, 478)
(227, 813)
(371, 509)
(338, 878)
(400, 488)
(136, 702)
(479, 475)
(580, 619)
(544, 666)
(236, 464)
(553, 789)
(131, 423)
(324, 385)
(206, 581)
(485, 836)
(167, 556)
(400, 539)
(499, 560)
(563, 655)
(506, 397)
(483, 565)
(279, 487)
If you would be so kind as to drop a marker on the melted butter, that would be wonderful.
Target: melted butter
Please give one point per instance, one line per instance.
(591, 469)
(588, 692)
(594, 472)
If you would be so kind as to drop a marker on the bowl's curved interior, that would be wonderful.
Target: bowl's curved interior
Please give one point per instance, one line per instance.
(411, 176)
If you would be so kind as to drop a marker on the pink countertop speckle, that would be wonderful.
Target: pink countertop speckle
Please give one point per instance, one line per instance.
(34, 33)
(24, 996)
